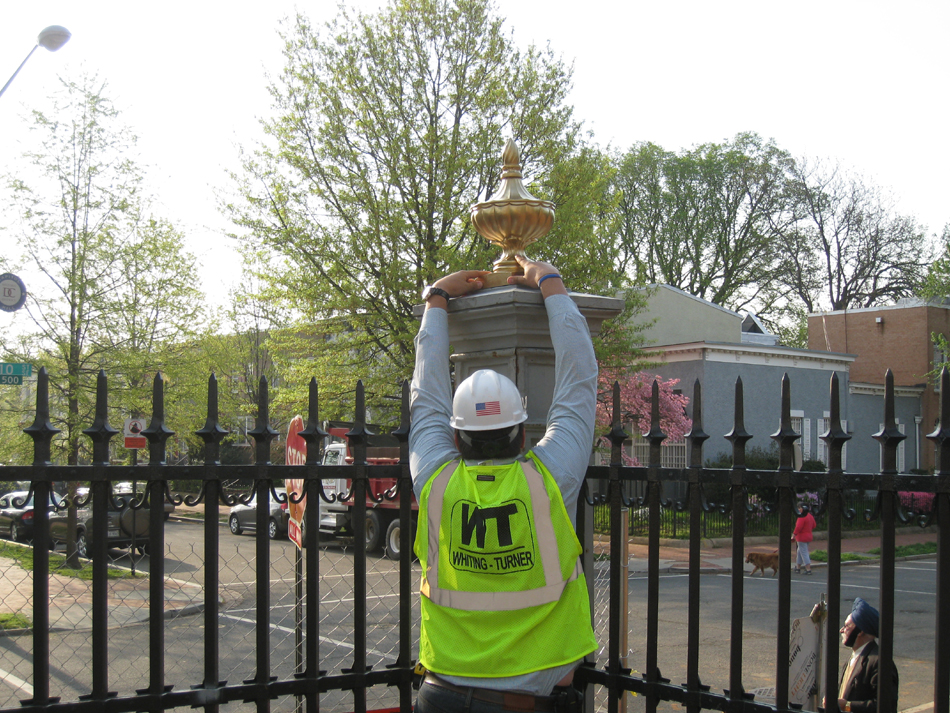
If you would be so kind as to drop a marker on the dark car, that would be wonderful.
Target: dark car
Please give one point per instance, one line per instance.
(244, 517)
(16, 515)
(125, 488)
(126, 527)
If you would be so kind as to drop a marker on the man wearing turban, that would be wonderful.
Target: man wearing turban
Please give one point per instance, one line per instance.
(858, 687)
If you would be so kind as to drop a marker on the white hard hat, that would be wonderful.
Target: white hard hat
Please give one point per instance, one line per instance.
(486, 400)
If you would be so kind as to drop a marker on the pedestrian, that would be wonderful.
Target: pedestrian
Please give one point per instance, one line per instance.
(505, 611)
(803, 535)
(860, 677)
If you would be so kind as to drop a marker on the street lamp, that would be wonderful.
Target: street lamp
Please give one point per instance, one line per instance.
(52, 38)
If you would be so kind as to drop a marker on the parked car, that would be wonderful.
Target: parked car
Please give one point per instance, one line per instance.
(244, 517)
(16, 515)
(125, 488)
(126, 527)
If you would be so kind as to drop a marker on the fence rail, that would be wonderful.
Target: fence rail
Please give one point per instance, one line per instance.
(315, 676)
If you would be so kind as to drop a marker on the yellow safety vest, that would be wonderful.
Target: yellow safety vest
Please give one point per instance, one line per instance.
(503, 591)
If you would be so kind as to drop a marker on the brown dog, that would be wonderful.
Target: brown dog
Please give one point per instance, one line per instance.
(763, 560)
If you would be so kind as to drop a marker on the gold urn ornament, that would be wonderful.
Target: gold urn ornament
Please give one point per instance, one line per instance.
(512, 218)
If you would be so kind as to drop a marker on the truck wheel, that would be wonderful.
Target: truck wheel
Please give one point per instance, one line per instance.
(392, 540)
(373, 531)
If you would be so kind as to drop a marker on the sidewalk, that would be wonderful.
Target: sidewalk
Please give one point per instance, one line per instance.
(71, 599)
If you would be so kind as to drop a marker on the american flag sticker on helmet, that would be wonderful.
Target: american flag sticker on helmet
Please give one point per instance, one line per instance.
(488, 408)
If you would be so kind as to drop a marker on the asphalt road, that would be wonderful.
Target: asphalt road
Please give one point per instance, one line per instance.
(914, 635)
(914, 624)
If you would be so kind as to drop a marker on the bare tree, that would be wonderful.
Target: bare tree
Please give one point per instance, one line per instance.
(850, 248)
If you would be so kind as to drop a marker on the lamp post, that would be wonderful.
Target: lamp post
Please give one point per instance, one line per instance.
(52, 38)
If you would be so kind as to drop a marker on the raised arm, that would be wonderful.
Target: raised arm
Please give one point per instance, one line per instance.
(431, 441)
(566, 446)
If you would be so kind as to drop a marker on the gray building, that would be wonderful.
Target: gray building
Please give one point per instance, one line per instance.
(697, 340)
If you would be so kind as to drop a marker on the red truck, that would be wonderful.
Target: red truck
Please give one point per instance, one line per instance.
(382, 518)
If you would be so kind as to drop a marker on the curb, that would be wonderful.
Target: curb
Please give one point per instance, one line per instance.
(196, 520)
(14, 632)
(703, 569)
(189, 610)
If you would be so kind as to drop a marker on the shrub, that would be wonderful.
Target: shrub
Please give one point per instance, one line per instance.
(918, 502)
(756, 458)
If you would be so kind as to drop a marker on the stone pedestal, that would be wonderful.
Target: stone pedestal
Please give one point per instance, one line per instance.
(506, 329)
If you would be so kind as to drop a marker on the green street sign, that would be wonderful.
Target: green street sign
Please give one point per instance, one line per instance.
(11, 380)
(15, 370)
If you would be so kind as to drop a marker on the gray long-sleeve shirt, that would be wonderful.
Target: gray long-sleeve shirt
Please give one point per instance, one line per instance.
(565, 448)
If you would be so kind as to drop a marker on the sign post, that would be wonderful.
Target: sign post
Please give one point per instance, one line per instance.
(295, 453)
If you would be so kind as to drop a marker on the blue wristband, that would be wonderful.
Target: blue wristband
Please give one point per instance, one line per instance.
(550, 274)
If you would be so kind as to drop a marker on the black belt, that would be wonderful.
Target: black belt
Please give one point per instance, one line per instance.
(524, 702)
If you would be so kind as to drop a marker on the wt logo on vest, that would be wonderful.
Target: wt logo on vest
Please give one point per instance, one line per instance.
(492, 540)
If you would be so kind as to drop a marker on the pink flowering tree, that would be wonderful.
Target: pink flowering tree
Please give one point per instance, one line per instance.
(635, 402)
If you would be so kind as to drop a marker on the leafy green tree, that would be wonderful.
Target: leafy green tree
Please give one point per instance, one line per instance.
(937, 283)
(937, 286)
(116, 287)
(112, 287)
(706, 220)
(388, 128)
(849, 248)
(243, 352)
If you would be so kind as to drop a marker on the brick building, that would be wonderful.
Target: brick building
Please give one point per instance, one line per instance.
(898, 338)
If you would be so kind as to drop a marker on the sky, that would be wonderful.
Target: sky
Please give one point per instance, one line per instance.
(864, 84)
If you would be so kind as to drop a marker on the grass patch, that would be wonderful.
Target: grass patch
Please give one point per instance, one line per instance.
(921, 548)
(14, 621)
(23, 556)
(822, 556)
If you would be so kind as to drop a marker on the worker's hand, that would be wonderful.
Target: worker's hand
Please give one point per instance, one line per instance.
(534, 271)
(462, 282)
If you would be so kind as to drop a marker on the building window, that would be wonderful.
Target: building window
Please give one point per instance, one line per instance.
(672, 453)
(823, 450)
(900, 449)
(802, 426)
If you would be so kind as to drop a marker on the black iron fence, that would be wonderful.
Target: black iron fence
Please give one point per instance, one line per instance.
(315, 677)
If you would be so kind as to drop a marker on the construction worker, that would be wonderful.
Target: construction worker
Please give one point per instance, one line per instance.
(505, 612)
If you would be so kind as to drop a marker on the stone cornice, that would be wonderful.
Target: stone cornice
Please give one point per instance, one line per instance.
(755, 354)
(878, 389)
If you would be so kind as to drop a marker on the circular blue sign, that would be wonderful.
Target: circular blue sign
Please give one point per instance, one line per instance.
(12, 292)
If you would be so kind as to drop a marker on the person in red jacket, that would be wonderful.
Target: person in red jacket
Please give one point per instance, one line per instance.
(802, 535)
